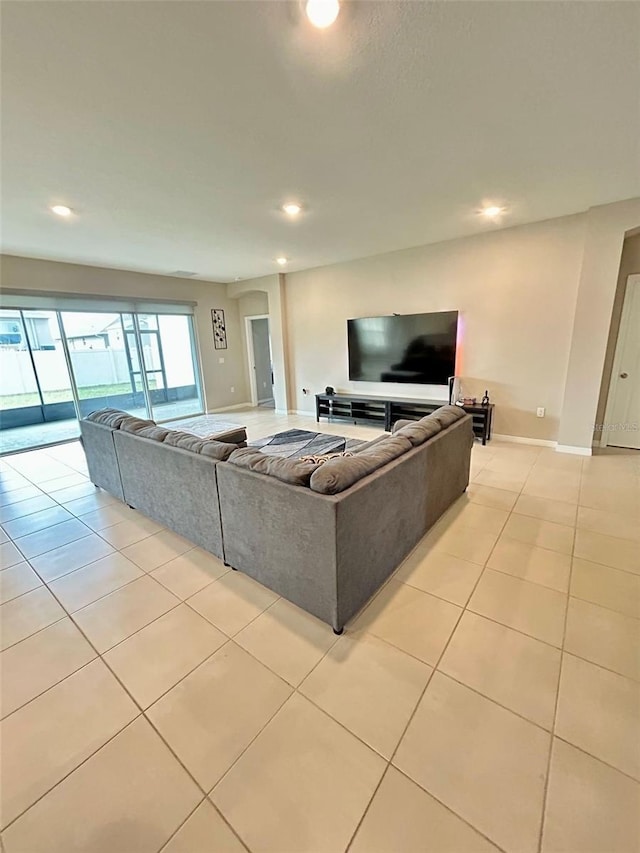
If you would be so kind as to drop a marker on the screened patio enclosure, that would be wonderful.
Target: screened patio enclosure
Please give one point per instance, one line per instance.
(58, 365)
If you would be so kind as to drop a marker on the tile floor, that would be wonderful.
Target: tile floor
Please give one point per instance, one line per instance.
(486, 699)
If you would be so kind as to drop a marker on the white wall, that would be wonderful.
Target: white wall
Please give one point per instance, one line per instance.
(516, 293)
(606, 231)
(274, 287)
(52, 277)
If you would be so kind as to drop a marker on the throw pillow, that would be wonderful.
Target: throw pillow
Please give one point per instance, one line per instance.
(321, 458)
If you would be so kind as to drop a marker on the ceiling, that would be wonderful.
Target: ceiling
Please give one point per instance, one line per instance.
(175, 130)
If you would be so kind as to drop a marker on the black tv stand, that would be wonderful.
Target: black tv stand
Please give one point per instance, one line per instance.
(385, 411)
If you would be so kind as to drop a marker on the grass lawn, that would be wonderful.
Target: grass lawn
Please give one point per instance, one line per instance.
(17, 401)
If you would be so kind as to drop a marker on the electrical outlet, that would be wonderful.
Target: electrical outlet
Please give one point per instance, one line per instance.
(221, 360)
(540, 412)
(233, 389)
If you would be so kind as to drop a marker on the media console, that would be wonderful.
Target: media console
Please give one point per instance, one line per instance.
(386, 411)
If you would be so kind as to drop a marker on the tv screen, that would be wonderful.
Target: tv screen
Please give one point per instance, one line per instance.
(410, 348)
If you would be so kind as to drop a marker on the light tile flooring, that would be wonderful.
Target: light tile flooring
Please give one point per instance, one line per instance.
(487, 698)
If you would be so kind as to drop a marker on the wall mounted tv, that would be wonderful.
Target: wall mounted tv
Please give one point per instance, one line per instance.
(412, 348)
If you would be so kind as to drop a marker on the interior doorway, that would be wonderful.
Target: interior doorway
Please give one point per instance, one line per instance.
(622, 419)
(260, 362)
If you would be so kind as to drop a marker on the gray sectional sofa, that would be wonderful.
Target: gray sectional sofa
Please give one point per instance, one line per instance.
(323, 533)
(169, 475)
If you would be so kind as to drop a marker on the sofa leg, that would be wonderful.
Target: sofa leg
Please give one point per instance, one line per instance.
(338, 631)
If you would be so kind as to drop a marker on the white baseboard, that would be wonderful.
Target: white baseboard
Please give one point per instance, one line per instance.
(541, 442)
(521, 439)
(571, 448)
(229, 408)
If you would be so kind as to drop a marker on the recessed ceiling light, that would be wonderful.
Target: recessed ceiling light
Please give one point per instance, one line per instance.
(291, 208)
(322, 13)
(282, 261)
(61, 210)
(491, 211)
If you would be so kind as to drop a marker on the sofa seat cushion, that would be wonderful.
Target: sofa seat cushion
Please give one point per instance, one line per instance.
(292, 471)
(134, 425)
(107, 417)
(420, 431)
(336, 475)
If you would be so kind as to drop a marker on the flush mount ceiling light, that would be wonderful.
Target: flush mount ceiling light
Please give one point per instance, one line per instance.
(322, 13)
(61, 210)
(491, 211)
(291, 208)
(282, 261)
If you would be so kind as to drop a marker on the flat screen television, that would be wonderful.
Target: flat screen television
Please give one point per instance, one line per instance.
(410, 348)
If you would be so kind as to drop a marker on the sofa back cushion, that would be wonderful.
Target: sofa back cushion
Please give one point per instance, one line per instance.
(156, 433)
(185, 440)
(420, 431)
(447, 415)
(292, 471)
(194, 444)
(107, 417)
(134, 425)
(339, 474)
(215, 449)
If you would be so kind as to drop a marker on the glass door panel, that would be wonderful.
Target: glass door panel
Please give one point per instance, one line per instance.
(168, 349)
(105, 368)
(45, 339)
(20, 399)
(36, 399)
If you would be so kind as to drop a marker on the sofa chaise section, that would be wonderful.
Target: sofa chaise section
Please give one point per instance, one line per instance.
(328, 553)
(97, 431)
(172, 484)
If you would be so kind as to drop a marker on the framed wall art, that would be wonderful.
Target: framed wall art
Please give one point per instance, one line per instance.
(219, 328)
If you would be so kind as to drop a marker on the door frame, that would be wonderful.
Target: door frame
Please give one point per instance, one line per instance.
(250, 353)
(625, 320)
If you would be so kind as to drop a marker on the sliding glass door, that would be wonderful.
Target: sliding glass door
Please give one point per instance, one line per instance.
(101, 362)
(36, 398)
(56, 366)
(169, 355)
